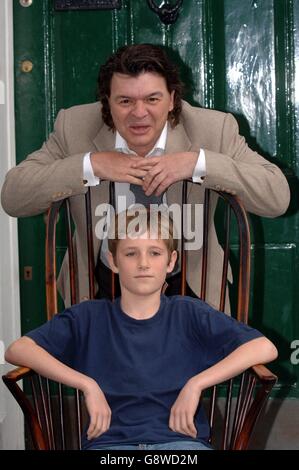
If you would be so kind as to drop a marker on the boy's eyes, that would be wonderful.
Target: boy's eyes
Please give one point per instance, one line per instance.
(152, 253)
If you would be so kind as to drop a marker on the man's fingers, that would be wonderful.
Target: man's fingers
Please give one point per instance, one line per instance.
(150, 162)
(156, 186)
(152, 179)
(133, 180)
(138, 173)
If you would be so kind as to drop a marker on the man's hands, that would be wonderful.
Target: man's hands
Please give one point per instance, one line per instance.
(155, 174)
(183, 410)
(116, 166)
(98, 410)
(166, 170)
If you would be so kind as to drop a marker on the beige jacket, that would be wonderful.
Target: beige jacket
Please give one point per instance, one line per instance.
(56, 171)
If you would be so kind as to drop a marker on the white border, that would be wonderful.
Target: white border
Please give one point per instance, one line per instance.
(11, 420)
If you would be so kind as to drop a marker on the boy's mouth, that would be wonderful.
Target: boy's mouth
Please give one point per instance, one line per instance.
(143, 276)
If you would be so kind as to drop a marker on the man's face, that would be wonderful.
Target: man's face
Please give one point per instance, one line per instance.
(142, 264)
(139, 107)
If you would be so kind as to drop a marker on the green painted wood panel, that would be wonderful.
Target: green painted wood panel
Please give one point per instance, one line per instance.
(238, 56)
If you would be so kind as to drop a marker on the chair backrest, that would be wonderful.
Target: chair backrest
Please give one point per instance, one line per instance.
(231, 206)
(55, 414)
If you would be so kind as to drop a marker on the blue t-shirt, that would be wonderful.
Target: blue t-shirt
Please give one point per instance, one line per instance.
(141, 365)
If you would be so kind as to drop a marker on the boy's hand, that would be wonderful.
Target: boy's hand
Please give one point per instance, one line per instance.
(98, 410)
(183, 410)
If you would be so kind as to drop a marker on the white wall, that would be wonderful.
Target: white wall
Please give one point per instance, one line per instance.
(11, 420)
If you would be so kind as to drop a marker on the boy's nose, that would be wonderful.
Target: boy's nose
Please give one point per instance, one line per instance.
(143, 262)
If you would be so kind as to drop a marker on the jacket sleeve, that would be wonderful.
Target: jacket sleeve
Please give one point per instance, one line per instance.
(261, 185)
(45, 176)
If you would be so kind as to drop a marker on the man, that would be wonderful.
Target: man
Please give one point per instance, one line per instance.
(143, 361)
(147, 140)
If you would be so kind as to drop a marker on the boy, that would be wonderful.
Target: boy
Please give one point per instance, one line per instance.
(143, 360)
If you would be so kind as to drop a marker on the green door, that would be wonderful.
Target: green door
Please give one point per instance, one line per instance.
(239, 56)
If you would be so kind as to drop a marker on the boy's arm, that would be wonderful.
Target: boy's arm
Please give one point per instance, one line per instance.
(25, 352)
(256, 351)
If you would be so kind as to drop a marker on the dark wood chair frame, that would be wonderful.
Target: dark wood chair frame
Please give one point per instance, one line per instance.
(251, 389)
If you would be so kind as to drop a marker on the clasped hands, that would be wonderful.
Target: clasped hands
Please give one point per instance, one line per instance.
(154, 174)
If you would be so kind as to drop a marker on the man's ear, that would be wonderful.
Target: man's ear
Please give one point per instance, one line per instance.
(112, 265)
(173, 258)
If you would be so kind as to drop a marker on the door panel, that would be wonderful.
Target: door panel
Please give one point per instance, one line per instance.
(241, 57)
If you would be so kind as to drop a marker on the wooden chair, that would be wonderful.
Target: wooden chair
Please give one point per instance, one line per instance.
(55, 416)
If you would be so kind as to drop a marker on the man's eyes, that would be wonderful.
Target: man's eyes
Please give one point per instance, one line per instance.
(124, 101)
(152, 99)
(127, 101)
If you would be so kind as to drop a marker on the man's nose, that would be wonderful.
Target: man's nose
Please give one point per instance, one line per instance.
(140, 110)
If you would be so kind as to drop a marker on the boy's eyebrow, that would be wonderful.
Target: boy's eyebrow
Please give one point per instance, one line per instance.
(130, 247)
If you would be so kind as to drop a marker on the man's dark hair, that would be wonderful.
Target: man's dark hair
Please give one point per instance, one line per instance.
(134, 60)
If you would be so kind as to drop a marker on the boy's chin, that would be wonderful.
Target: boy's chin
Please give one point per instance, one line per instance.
(145, 290)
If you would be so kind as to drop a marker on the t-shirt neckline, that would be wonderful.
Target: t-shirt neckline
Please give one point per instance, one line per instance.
(148, 321)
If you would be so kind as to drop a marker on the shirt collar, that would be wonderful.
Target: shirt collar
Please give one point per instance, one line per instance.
(122, 146)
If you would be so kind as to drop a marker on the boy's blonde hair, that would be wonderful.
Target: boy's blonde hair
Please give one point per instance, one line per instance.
(156, 222)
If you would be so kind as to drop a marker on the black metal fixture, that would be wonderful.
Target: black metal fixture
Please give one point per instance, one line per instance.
(168, 12)
(65, 5)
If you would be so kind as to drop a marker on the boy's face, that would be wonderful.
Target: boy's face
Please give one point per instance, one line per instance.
(142, 264)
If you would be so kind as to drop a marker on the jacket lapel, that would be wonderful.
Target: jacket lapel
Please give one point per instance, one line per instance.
(104, 141)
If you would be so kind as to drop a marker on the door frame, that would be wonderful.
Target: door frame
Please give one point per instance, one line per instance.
(11, 418)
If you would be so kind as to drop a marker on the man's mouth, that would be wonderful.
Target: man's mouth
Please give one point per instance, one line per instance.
(139, 129)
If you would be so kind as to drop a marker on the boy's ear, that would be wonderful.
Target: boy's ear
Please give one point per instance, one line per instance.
(171, 264)
(112, 265)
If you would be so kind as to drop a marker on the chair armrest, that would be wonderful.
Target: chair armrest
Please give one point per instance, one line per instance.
(10, 380)
(263, 381)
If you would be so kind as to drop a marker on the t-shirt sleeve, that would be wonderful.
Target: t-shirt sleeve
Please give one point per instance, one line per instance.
(58, 336)
(220, 334)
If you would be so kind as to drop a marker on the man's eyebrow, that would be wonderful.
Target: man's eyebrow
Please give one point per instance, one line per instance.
(155, 93)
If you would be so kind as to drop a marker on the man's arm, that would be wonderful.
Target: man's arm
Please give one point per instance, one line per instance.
(231, 166)
(261, 185)
(55, 171)
(47, 175)
(256, 351)
(25, 352)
